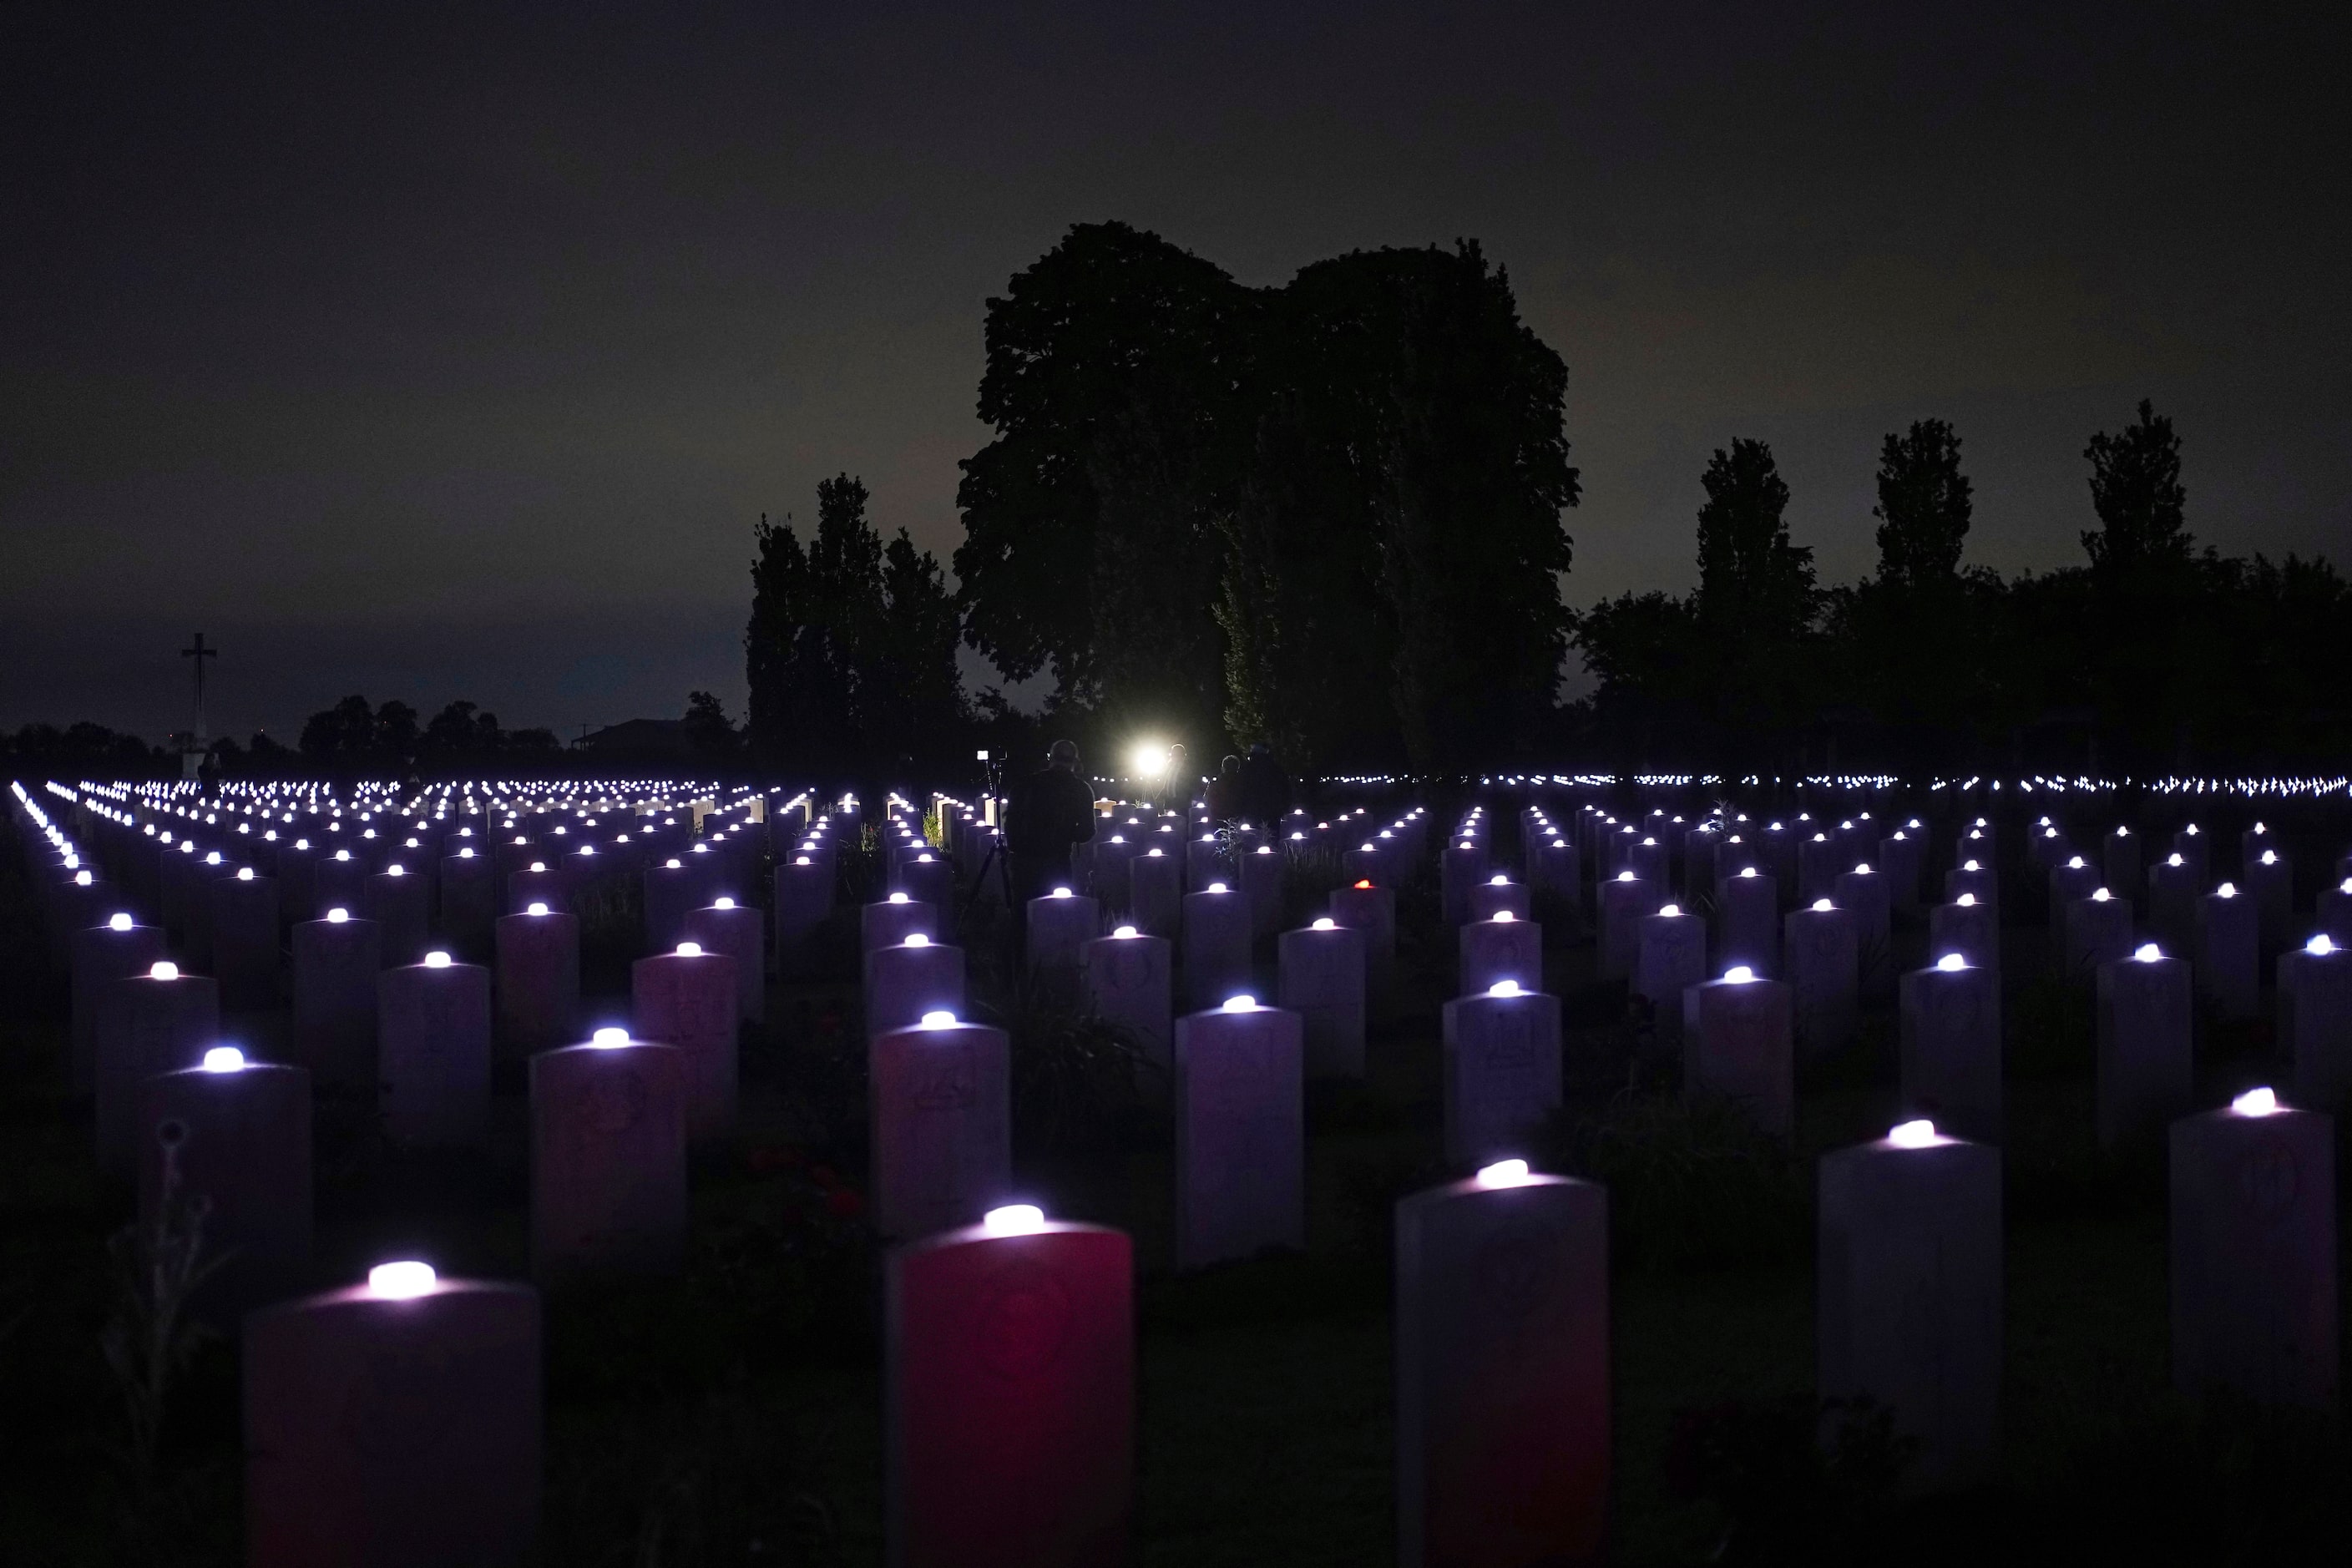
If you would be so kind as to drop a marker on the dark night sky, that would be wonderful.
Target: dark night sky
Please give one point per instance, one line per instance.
(454, 354)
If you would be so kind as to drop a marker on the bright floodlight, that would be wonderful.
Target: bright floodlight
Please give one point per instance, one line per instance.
(164, 969)
(2148, 953)
(536, 908)
(2321, 944)
(1325, 922)
(2255, 1102)
(1952, 963)
(939, 1019)
(401, 1281)
(224, 1059)
(1013, 1219)
(1149, 760)
(118, 921)
(1124, 931)
(1918, 1134)
(1504, 988)
(1740, 975)
(609, 1037)
(1504, 1174)
(437, 959)
(1243, 1002)
(914, 939)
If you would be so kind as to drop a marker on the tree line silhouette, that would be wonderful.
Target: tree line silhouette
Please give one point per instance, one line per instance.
(1327, 516)
(2152, 655)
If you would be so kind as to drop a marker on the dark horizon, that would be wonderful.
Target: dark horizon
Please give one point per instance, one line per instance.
(435, 358)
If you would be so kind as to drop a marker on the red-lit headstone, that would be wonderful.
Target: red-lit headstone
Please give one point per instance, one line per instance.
(1010, 1407)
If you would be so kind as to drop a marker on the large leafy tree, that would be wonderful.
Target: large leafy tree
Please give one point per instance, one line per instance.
(1326, 516)
(1394, 569)
(1114, 385)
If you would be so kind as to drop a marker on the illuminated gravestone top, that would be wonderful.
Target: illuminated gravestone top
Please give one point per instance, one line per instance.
(1500, 1068)
(1239, 1133)
(1910, 1292)
(941, 1124)
(2253, 1239)
(1503, 1421)
(608, 1157)
(1009, 1393)
(402, 1414)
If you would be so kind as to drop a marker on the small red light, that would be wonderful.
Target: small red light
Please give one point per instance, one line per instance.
(1363, 884)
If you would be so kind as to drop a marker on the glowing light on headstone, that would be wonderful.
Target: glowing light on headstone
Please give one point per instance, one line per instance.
(1504, 1174)
(2147, 953)
(436, 960)
(1952, 963)
(224, 1059)
(1919, 1134)
(118, 921)
(1013, 1219)
(1504, 988)
(1124, 933)
(939, 1019)
(1244, 1002)
(2321, 945)
(401, 1281)
(2255, 1102)
(1740, 975)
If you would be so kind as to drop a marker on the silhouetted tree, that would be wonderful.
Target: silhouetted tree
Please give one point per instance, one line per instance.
(1757, 592)
(1922, 506)
(2136, 490)
(1114, 383)
(916, 707)
(850, 653)
(1392, 562)
(344, 733)
(460, 731)
(710, 733)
